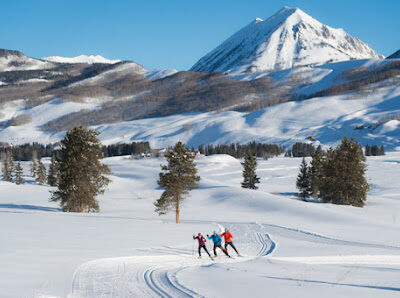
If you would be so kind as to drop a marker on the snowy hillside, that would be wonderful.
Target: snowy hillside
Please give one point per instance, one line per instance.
(289, 246)
(370, 115)
(290, 38)
(15, 60)
(81, 59)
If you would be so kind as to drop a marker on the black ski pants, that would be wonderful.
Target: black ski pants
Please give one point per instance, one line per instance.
(221, 248)
(231, 244)
(205, 248)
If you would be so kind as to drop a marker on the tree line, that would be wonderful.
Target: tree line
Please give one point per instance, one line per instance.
(307, 150)
(239, 151)
(25, 152)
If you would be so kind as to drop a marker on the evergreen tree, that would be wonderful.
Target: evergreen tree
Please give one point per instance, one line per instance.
(34, 166)
(382, 150)
(82, 175)
(7, 166)
(303, 182)
(177, 178)
(316, 171)
(52, 177)
(41, 176)
(250, 178)
(18, 174)
(374, 150)
(368, 150)
(344, 175)
(327, 187)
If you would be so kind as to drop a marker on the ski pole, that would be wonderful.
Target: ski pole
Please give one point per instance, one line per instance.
(193, 248)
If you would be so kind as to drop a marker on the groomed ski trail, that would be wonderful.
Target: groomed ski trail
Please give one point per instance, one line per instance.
(157, 276)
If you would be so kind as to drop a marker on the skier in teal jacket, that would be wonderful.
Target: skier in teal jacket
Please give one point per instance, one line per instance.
(217, 243)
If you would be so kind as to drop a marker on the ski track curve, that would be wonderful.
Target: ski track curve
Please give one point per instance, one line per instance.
(310, 236)
(152, 283)
(166, 283)
(162, 280)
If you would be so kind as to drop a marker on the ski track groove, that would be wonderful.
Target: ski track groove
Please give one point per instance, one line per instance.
(184, 291)
(150, 282)
(169, 277)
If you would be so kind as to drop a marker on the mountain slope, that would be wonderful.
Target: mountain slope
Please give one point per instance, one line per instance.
(395, 55)
(370, 115)
(290, 38)
(15, 61)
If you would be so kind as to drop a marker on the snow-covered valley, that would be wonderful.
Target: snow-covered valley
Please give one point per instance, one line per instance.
(306, 249)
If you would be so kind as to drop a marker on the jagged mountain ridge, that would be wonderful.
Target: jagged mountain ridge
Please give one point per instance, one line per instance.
(288, 39)
(81, 59)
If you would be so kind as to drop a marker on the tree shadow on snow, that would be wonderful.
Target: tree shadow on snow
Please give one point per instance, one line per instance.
(30, 207)
(295, 196)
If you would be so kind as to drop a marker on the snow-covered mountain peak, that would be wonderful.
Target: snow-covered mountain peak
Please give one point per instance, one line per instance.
(81, 59)
(289, 38)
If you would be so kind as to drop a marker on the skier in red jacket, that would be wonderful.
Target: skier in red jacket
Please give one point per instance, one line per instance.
(202, 244)
(228, 237)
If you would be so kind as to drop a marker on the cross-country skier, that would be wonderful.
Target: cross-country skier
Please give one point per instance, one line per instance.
(202, 244)
(217, 243)
(228, 237)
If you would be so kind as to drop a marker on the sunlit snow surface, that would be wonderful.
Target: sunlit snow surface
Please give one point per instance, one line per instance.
(302, 249)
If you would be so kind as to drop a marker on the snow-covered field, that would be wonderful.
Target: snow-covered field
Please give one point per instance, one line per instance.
(291, 248)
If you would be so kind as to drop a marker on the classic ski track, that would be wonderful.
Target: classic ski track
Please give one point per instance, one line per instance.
(267, 247)
(178, 286)
(151, 283)
(163, 281)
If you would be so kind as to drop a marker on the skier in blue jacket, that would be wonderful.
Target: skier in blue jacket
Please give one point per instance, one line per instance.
(217, 243)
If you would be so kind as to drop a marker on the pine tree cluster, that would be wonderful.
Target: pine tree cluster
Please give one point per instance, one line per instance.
(337, 177)
(38, 169)
(300, 150)
(7, 166)
(12, 171)
(374, 150)
(24, 152)
(240, 151)
(134, 148)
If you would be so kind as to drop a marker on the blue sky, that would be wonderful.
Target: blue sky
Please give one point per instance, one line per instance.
(172, 33)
